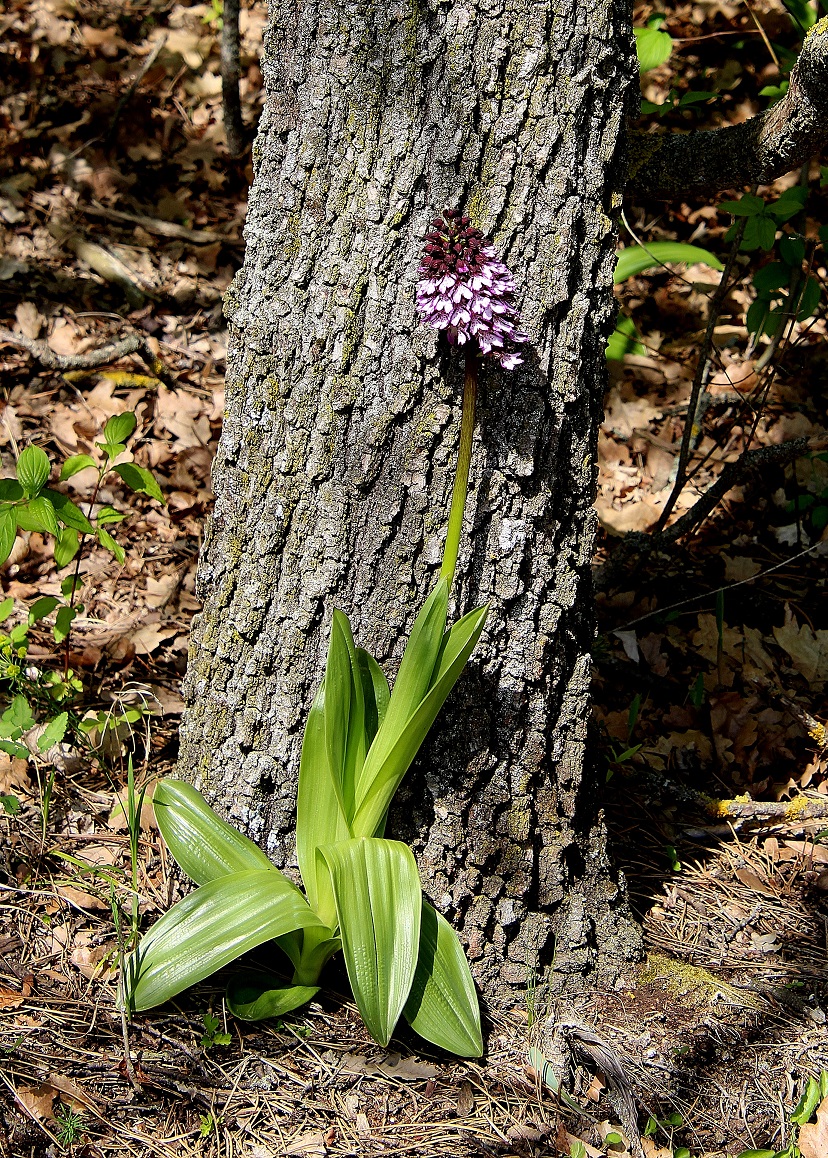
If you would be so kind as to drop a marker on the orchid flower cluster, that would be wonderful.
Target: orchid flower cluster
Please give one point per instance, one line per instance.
(465, 290)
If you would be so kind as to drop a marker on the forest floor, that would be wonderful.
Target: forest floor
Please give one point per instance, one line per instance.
(120, 212)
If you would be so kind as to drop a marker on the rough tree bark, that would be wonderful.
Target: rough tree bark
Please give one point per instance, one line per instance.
(335, 466)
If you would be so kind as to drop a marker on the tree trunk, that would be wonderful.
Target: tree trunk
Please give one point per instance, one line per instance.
(340, 438)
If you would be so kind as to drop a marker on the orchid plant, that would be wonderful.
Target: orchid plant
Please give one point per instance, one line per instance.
(362, 890)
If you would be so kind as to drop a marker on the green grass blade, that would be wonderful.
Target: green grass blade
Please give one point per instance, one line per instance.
(319, 815)
(442, 1006)
(211, 927)
(379, 903)
(203, 844)
(255, 995)
(384, 770)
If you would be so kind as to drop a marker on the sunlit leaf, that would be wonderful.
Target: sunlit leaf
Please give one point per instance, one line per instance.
(119, 427)
(378, 904)
(211, 927)
(255, 995)
(74, 464)
(319, 817)
(636, 258)
(442, 1006)
(205, 846)
(653, 48)
(383, 769)
(33, 469)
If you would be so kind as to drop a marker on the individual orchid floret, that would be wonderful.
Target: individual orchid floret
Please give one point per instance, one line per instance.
(467, 292)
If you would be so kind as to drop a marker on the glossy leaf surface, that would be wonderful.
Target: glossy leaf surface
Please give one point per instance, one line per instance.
(442, 1006)
(378, 902)
(203, 844)
(211, 927)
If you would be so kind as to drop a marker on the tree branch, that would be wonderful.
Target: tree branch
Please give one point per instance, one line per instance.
(755, 152)
(638, 546)
(230, 73)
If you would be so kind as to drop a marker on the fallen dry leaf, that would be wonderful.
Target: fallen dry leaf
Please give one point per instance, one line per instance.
(813, 1137)
(37, 1100)
(807, 649)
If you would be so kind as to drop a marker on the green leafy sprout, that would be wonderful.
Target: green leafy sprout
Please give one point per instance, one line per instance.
(362, 891)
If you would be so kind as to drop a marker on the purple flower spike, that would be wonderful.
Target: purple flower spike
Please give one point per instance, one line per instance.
(467, 292)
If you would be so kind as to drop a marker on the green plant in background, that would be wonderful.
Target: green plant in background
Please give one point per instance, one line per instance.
(362, 890)
(33, 694)
(652, 46)
(635, 259)
(70, 1126)
(211, 1035)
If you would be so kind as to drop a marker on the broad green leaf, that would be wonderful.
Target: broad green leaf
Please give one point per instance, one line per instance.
(653, 47)
(63, 622)
(411, 684)
(119, 427)
(694, 98)
(383, 772)
(33, 469)
(10, 490)
(42, 607)
(802, 14)
(623, 340)
(773, 276)
(37, 515)
(792, 251)
(809, 300)
(205, 846)
(76, 463)
(138, 478)
(319, 817)
(106, 540)
(747, 206)
(375, 691)
(6, 608)
(9, 804)
(68, 513)
(378, 904)
(636, 258)
(67, 544)
(254, 996)
(54, 732)
(211, 927)
(442, 1006)
(807, 1103)
(109, 515)
(17, 716)
(356, 745)
(13, 749)
(8, 532)
(757, 1154)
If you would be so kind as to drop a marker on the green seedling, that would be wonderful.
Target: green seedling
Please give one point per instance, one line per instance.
(211, 1036)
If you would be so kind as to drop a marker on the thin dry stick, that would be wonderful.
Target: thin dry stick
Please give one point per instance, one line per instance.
(127, 97)
(700, 377)
(230, 72)
(46, 356)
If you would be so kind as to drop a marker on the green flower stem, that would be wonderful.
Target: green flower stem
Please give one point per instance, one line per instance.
(461, 478)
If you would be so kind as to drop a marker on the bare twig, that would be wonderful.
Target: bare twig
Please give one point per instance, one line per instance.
(230, 73)
(700, 377)
(127, 97)
(639, 546)
(759, 150)
(46, 356)
(801, 808)
(163, 228)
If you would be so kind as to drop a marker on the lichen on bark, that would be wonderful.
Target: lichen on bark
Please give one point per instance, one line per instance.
(332, 487)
